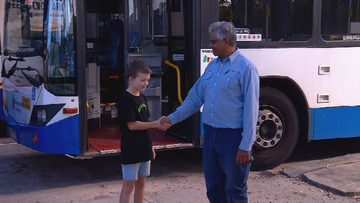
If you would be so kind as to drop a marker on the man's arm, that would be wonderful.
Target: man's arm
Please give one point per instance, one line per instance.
(191, 104)
(251, 90)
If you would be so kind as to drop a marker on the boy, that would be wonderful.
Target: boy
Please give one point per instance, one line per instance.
(136, 142)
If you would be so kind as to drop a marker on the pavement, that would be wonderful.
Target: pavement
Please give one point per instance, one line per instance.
(339, 175)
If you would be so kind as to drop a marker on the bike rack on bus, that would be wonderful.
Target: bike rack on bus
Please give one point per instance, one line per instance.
(14, 68)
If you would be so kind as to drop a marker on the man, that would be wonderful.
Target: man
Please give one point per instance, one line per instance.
(229, 91)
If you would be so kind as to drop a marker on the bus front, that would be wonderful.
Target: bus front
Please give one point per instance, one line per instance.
(41, 103)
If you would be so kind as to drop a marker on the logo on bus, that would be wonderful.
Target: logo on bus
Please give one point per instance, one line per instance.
(33, 95)
(16, 104)
(207, 59)
(25, 103)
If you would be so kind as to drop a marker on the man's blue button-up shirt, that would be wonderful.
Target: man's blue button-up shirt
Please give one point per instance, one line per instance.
(229, 91)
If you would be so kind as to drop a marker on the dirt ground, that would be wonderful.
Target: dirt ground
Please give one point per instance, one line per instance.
(264, 187)
(270, 186)
(27, 176)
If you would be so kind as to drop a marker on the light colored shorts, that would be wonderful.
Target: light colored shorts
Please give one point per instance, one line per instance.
(132, 171)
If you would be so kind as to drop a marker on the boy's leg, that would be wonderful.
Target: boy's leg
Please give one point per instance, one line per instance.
(127, 188)
(139, 190)
(130, 175)
(144, 171)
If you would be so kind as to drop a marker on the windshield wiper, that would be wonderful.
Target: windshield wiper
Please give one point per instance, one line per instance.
(31, 80)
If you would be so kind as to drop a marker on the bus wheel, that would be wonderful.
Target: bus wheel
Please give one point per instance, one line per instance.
(277, 129)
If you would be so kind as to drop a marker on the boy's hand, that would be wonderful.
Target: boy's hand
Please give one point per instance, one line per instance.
(164, 123)
(154, 154)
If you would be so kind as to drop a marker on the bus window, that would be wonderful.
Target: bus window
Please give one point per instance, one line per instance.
(59, 48)
(160, 17)
(24, 45)
(275, 20)
(340, 20)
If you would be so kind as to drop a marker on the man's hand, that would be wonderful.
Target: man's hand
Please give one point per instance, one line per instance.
(165, 123)
(165, 120)
(242, 157)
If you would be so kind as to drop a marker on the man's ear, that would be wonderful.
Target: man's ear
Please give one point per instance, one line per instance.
(227, 40)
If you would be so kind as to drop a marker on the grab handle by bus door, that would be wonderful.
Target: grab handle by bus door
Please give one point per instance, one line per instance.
(178, 79)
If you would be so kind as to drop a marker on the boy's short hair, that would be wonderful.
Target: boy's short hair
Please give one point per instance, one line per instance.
(136, 67)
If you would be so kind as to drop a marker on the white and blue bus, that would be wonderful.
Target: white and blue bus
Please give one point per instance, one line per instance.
(64, 63)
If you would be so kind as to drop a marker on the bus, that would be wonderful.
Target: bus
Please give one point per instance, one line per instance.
(64, 63)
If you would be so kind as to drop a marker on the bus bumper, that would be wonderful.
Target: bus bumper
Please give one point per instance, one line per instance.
(59, 138)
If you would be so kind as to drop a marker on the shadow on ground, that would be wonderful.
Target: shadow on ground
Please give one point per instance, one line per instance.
(26, 170)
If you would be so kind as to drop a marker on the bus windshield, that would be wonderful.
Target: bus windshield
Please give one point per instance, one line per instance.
(22, 42)
(59, 47)
(42, 50)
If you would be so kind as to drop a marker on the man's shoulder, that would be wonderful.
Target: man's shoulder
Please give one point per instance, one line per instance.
(244, 61)
(209, 67)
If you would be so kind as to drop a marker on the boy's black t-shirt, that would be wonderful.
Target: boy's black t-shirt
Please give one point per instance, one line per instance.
(136, 145)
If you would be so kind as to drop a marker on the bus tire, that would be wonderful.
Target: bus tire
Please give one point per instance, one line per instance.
(277, 129)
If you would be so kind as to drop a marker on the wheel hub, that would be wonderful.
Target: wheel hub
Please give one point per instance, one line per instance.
(269, 129)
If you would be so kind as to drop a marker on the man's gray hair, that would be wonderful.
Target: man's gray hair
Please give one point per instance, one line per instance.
(224, 30)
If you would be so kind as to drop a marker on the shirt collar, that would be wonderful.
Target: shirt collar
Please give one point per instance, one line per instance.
(232, 57)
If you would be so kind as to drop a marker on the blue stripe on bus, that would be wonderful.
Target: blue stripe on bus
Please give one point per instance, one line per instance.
(336, 122)
(61, 137)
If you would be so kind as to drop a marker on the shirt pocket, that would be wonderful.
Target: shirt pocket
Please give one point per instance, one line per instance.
(232, 82)
(207, 75)
(206, 79)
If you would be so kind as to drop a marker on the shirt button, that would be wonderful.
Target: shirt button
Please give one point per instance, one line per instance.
(212, 114)
(228, 78)
(211, 104)
(215, 84)
(218, 74)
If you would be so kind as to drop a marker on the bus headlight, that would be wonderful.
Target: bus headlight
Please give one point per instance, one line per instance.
(41, 115)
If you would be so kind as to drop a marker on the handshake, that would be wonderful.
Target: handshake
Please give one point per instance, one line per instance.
(163, 123)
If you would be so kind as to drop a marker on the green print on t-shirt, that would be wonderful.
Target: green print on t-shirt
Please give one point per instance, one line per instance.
(141, 106)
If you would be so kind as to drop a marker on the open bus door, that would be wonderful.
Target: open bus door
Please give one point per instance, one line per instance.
(116, 33)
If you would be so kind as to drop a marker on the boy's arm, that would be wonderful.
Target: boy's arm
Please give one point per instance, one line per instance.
(139, 125)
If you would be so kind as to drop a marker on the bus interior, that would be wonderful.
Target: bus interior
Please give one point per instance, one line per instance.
(148, 27)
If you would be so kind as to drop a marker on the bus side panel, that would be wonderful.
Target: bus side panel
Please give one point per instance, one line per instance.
(337, 122)
(61, 137)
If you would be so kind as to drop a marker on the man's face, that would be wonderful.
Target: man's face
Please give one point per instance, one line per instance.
(140, 82)
(217, 45)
